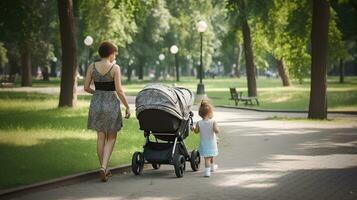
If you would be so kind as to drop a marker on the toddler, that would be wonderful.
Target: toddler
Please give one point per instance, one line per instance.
(207, 128)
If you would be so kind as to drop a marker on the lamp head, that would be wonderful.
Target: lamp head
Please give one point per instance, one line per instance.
(88, 41)
(201, 26)
(174, 49)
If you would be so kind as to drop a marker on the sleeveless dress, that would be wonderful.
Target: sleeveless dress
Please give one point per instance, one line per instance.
(208, 140)
(104, 110)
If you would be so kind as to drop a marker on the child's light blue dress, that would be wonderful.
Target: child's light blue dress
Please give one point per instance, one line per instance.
(208, 140)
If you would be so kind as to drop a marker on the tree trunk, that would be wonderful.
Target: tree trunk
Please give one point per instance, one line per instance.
(26, 74)
(342, 71)
(68, 94)
(129, 72)
(282, 72)
(319, 47)
(140, 68)
(157, 71)
(249, 58)
(141, 72)
(239, 57)
(53, 69)
(177, 68)
(45, 74)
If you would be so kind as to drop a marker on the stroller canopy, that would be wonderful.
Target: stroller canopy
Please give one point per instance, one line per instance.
(174, 100)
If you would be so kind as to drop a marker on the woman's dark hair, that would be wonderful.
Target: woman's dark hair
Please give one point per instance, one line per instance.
(106, 49)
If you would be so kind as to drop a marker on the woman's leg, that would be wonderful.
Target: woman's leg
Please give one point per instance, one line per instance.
(108, 148)
(100, 146)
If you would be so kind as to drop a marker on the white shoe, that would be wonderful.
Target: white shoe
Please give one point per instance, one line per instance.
(214, 167)
(207, 172)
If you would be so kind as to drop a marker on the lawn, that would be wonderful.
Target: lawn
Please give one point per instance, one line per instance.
(39, 141)
(341, 97)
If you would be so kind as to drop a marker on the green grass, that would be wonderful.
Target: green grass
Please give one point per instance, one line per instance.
(53, 82)
(39, 141)
(271, 94)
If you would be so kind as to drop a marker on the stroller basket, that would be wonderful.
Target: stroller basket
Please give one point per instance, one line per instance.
(159, 152)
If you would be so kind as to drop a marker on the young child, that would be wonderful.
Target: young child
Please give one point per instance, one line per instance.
(208, 129)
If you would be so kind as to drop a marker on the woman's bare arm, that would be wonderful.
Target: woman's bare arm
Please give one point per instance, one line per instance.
(88, 80)
(119, 90)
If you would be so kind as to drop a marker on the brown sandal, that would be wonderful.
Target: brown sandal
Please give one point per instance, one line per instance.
(103, 175)
(108, 173)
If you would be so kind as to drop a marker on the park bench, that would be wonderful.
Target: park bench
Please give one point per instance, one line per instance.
(7, 81)
(238, 96)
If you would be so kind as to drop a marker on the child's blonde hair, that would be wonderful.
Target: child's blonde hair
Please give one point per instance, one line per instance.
(205, 109)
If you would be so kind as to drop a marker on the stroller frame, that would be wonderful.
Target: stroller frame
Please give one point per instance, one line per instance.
(173, 152)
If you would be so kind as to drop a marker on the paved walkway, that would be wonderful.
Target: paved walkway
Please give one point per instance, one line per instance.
(259, 159)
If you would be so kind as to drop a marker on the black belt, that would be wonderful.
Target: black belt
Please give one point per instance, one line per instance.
(105, 86)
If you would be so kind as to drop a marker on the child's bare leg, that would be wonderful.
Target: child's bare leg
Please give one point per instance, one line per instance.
(208, 161)
(207, 172)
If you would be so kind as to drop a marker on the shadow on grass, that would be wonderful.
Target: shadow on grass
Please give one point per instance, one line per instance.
(53, 158)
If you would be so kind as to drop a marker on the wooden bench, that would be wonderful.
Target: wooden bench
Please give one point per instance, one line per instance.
(7, 81)
(238, 96)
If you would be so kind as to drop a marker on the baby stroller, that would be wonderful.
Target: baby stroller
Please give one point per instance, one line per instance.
(165, 113)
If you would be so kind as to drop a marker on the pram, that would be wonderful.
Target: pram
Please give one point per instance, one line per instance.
(165, 113)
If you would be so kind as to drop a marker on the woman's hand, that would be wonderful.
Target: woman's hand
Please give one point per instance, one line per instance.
(127, 113)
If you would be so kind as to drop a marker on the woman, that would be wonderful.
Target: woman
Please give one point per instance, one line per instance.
(104, 111)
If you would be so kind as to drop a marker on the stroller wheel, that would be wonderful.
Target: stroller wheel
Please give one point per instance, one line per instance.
(195, 160)
(180, 166)
(156, 166)
(137, 163)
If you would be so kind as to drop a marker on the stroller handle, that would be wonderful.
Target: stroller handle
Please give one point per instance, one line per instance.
(191, 118)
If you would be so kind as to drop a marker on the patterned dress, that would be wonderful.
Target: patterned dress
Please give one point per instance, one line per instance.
(104, 110)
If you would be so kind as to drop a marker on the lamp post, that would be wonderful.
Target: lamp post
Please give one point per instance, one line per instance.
(174, 50)
(53, 67)
(161, 58)
(88, 41)
(201, 28)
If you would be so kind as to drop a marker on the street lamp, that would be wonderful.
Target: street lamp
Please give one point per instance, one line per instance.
(53, 66)
(161, 58)
(174, 50)
(88, 41)
(201, 28)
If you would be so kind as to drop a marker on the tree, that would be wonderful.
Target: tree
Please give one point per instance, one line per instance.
(346, 15)
(241, 8)
(3, 57)
(25, 30)
(153, 22)
(68, 93)
(319, 51)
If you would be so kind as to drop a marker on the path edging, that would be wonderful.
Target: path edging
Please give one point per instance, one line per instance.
(58, 182)
(285, 111)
